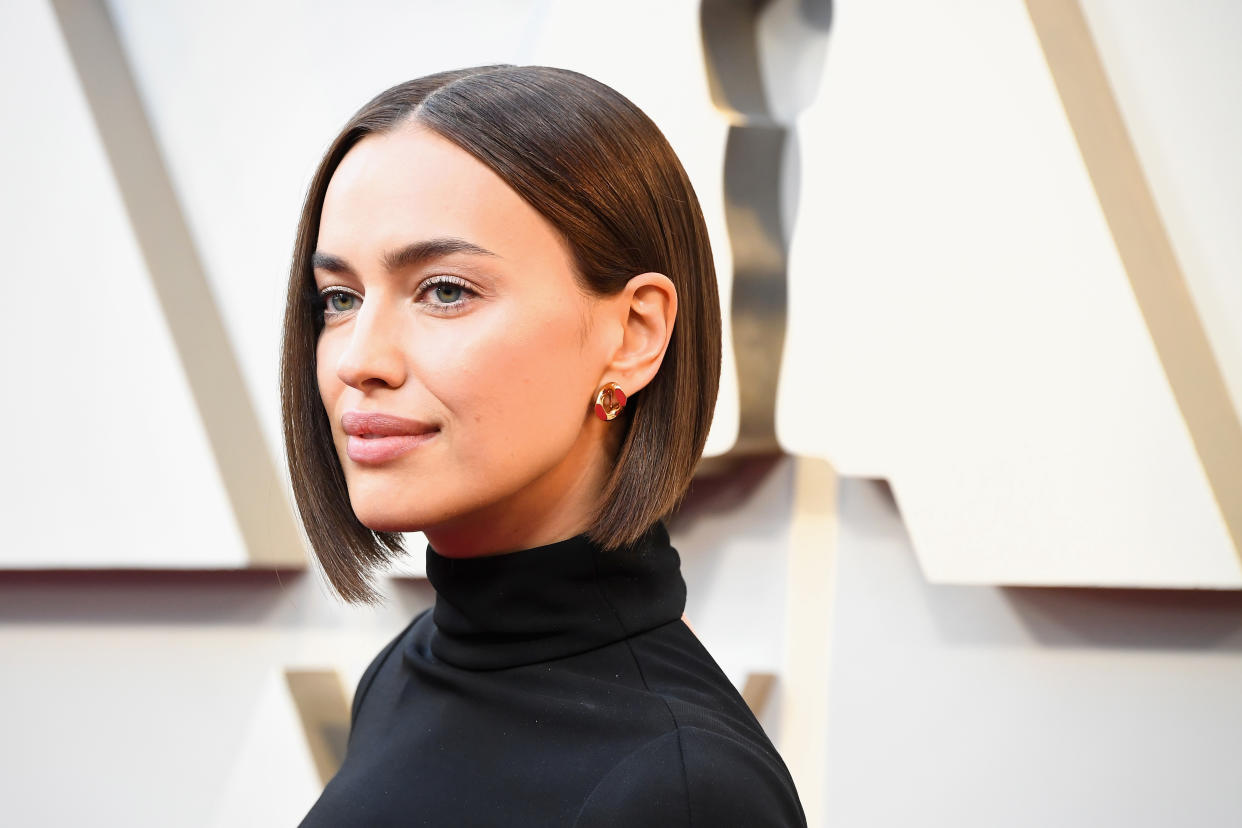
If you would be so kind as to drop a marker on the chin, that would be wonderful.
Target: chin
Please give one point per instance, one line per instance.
(391, 526)
(377, 518)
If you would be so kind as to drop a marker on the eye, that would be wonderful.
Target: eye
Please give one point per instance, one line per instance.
(338, 301)
(448, 292)
(445, 293)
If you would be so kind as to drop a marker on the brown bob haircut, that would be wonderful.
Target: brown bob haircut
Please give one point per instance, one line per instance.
(601, 173)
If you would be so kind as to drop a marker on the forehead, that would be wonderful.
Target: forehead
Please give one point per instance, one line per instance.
(412, 184)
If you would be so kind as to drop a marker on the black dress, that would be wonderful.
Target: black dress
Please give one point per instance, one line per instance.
(555, 686)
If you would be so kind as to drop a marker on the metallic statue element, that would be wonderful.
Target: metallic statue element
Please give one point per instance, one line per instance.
(760, 144)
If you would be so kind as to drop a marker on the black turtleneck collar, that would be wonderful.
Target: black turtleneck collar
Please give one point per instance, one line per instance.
(551, 601)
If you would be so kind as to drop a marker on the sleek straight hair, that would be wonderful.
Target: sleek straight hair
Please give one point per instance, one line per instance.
(601, 172)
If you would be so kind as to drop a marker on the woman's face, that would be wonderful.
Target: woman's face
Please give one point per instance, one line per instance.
(450, 303)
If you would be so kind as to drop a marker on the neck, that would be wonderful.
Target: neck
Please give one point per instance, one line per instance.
(552, 601)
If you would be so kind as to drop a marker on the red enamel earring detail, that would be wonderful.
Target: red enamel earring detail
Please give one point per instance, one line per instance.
(609, 401)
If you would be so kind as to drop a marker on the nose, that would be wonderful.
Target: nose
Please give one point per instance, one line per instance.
(373, 355)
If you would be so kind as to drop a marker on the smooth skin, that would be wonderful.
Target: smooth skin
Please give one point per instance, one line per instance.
(502, 353)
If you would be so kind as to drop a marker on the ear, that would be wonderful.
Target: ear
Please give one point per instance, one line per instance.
(646, 308)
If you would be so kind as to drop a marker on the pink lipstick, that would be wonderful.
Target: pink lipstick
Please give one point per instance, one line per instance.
(378, 438)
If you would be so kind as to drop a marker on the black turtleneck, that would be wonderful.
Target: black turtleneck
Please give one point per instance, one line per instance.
(555, 686)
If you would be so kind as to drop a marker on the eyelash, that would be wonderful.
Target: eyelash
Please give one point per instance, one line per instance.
(325, 296)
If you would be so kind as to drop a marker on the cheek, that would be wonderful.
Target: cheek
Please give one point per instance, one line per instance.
(515, 384)
(329, 384)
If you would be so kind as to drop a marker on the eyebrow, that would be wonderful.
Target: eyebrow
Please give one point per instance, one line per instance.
(403, 257)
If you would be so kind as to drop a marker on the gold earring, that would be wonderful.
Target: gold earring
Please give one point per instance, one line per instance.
(609, 401)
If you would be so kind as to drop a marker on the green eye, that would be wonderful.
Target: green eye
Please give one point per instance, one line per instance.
(339, 302)
(336, 302)
(448, 293)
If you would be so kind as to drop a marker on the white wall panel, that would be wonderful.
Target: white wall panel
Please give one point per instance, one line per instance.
(961, 324)
(107, 463)
(1174, 70)
(977, 706)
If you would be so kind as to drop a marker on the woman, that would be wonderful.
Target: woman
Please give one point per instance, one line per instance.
(503, 330)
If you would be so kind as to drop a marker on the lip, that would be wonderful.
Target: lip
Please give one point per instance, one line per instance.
(375, 437)
(358, 423)
(383, 449)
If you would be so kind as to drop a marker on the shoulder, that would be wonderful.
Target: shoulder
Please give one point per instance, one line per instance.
(692, 777)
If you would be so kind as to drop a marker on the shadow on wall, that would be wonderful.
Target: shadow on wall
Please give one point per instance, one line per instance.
(715, 494)
(1140, 619)
(1086, 617)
